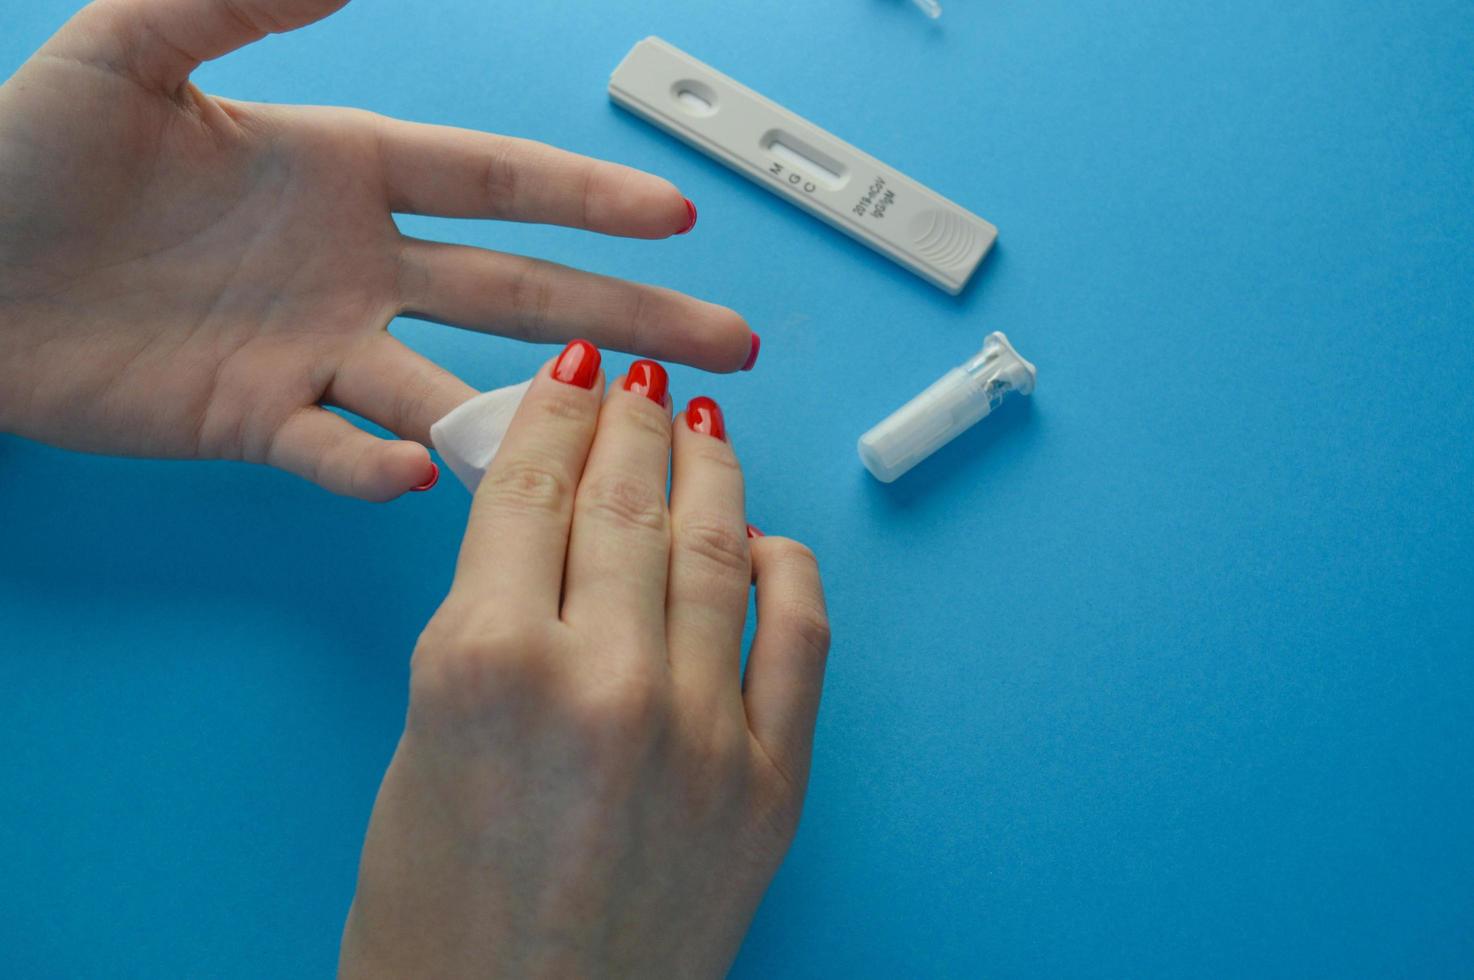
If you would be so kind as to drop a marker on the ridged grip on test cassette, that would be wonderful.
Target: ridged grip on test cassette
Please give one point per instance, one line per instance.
(946, 240)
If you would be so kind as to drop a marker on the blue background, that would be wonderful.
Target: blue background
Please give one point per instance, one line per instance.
(1165, 672)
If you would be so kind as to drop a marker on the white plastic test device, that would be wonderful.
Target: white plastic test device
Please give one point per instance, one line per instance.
(856, 193)
(959, 400)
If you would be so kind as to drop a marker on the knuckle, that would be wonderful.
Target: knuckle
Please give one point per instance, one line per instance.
(360, 464)
(559, 405)
(624, 502)
(635, 303)
(526, 486)
(808, 623)
(365, 121)
(530, 294)
(467, 660)
(715, 455)
(499, 179)
(715, 541)
(602, 183)
(647, 316)
(718, 764)
(622, 714)
(587, 191)
(260, 22)
(725, 747)
(797, 556)
(650, 421)
(408, 403)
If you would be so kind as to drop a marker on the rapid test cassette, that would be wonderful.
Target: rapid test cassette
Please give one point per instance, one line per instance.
(856, 193)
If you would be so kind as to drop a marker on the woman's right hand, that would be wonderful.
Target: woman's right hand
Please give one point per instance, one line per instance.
(587, 783)
(188, 276)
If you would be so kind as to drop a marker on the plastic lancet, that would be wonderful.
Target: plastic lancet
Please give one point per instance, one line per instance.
(959, 400)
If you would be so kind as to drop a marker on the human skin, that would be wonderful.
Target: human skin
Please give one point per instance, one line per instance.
(587, 784)
(189, 276)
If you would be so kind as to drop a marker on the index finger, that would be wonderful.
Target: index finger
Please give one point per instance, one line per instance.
(516, 539)
(161, 42)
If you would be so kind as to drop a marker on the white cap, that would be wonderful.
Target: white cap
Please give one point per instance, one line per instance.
(955, 403)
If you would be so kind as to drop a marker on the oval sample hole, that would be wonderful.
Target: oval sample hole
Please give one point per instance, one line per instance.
(693, 101)
(695, 97)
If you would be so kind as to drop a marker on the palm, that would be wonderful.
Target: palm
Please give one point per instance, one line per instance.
(195, 277)
(235, 273)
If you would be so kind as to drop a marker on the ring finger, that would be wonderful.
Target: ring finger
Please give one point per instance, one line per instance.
(540, 301)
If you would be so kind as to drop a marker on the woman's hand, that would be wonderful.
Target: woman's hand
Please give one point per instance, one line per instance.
(182, 275)
(587, 785)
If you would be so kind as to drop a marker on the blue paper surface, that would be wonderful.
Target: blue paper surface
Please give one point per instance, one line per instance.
(1169, 671)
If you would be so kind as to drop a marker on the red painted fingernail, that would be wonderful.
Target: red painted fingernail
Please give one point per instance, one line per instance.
(757, 345)
(649, 379)
(434, 479)
(705, 416)
(690, 217)
(578, 365)
(753, 532)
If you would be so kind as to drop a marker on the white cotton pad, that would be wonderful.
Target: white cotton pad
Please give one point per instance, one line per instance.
(469, 437)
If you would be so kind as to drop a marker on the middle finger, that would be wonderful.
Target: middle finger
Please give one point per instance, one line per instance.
(619, 547)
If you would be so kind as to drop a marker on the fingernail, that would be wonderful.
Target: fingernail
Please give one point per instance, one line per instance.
(434, 479)
(757, 345)
(578, 365)
(690, 217)
(705, 416)
(649, 379)
(753, 532)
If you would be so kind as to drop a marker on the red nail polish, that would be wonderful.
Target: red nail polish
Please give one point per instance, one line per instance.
(649, 379)
(705, 416)
(578, 365)
(690, 217)
(753, 532)
(757, 345)
(434, 479)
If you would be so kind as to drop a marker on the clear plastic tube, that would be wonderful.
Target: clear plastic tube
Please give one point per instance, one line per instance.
(955, 403)
(929, 7)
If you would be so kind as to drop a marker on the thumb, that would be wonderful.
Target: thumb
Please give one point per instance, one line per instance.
(160, 42)
(339, 456)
